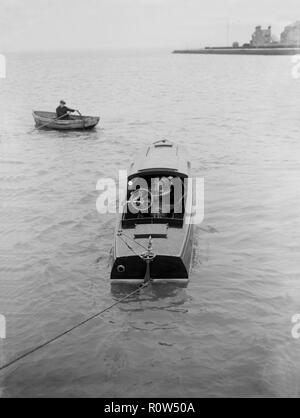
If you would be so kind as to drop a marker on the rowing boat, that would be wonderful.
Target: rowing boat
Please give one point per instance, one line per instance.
(154, 234)
(48, 120)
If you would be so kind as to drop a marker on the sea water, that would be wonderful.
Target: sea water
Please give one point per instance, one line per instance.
(229, 333)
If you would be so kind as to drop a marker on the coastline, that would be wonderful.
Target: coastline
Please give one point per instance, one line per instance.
(242, 51)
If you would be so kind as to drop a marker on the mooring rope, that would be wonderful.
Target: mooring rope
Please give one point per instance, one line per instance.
(133, 240)
(129, 247)
(58, 337)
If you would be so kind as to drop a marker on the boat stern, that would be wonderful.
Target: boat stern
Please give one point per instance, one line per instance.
(162, 269)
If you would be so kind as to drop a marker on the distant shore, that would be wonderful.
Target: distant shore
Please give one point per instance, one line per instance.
(272, 50)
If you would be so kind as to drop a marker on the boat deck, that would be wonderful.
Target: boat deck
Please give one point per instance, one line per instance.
(171, 245)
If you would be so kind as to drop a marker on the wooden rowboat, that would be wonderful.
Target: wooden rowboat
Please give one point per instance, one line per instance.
(48, 120)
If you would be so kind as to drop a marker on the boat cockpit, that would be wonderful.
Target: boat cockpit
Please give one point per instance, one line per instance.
(158, 198)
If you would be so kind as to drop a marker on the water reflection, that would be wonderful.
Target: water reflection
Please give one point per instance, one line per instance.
(92, 135)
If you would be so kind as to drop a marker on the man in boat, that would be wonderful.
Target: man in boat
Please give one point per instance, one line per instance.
(63, 112)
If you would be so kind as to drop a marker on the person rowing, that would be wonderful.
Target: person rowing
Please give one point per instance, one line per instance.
(63, 112)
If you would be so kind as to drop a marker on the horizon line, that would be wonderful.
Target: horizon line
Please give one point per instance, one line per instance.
(70, 50)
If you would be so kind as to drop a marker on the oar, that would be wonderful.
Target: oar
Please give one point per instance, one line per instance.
(49, 123)
(81, 118)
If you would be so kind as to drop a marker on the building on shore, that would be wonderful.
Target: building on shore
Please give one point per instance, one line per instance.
(262, 37)
(291, 35)
(263, 42)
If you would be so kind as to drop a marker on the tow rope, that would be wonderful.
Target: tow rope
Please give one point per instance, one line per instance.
(63, 334)
(147, 257)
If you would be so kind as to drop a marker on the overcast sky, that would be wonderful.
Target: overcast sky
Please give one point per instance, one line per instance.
(97, 24)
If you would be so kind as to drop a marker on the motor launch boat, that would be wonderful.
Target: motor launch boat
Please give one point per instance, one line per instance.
(154, 234)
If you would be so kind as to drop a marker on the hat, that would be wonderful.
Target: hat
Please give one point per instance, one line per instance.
(62, 102)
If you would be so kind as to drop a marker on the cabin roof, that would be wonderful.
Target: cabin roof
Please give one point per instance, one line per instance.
(162, 156)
